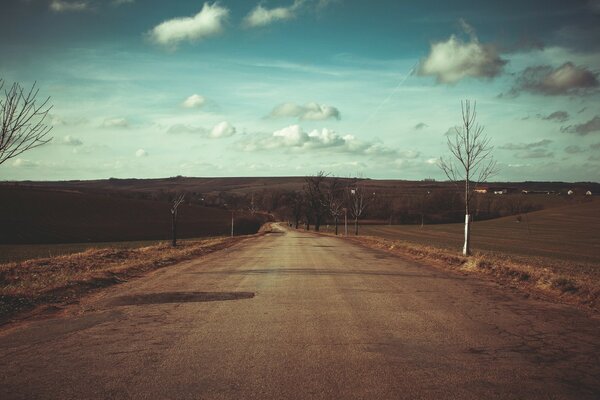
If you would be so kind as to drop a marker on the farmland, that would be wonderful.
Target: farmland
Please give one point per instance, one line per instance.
(38, 222)
(568, 233)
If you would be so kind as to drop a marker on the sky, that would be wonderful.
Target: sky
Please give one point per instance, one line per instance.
(151, 88)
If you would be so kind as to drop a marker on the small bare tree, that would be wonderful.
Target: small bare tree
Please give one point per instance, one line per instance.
(22, 121)
(334, 200)
(471, 161)
(315, 198)
(175, 205)
(358, 200)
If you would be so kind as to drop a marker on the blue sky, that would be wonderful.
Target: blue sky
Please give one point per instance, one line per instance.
(243, 88)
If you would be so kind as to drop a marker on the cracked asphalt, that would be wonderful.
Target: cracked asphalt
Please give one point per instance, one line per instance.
(293, 315)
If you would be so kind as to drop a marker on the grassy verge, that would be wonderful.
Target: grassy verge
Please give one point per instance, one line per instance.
(578, 286)
(63, 279)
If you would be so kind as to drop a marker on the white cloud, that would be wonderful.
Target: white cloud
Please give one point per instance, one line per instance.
(71, 141)
(194, 101)
(115, 123)
(222, 130)
(23, 163)
(141, 153)
(182, 128)
(295, 138)
(64, 6)
(208, 22)
(261, 16)
(455, 59)
(310, 111)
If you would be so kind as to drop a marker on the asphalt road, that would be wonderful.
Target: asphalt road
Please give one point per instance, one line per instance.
(293, 315)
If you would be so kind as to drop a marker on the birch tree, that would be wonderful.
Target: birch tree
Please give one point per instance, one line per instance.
(358, 200)
(471, 160)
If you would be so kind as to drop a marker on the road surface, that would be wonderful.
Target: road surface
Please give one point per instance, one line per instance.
(299, 316)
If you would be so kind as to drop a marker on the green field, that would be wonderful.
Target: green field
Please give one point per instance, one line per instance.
(569, 233)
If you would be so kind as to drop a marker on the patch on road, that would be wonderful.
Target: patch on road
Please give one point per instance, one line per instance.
(179, 297)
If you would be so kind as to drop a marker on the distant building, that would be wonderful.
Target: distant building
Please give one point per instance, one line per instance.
(501, 191)
(481, 190)
(570, 192)
(588, 193)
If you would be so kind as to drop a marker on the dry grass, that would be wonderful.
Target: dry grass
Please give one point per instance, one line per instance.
(554, 280)
(25, 285)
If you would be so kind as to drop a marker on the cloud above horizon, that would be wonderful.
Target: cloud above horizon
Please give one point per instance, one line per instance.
(194, 101)
(454, 59)
(208, 22)
(311, 111)
(66, 6)
(567, 79)
(223, 129)
(261, 16)
(525, 146)
(295, 138)
(585, 128)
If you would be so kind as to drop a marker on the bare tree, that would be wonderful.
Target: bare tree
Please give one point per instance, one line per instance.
(471, 160)
(358, 199)
(175, 205)
(22, 121)
(315, 198)
(334, 200)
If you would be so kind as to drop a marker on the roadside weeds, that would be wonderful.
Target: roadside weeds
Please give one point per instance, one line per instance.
(33, 285)
(532, 277)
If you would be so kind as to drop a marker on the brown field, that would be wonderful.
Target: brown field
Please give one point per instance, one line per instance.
(41, 216)
(568, 233)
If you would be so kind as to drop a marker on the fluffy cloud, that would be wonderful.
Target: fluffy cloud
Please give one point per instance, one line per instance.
(71, 141)
(568, 79)
(222, 130)
(23, 163)
(455, 59)
(208, 22)
(525, 146)
(593, 125)
(194, 101)
(115, 123)
(295, 138)
(558, 116)
(261, 16)
(65, 6)
(141, 153)
(310, 111)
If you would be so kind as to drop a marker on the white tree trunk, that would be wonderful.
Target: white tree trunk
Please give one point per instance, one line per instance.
(467, 245)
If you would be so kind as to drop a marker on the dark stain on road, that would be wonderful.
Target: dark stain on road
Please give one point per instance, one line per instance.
(179, 297)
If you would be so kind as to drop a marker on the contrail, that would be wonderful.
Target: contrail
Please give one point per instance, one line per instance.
(387, 99)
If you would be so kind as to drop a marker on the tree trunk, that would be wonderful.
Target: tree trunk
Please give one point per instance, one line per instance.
(174, 229)
(355, 226)
(336, 225)
(467, 245)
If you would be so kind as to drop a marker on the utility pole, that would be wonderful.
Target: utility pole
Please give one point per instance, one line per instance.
(232, 222)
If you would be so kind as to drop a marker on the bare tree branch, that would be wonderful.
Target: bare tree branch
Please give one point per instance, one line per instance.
(22, 121)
